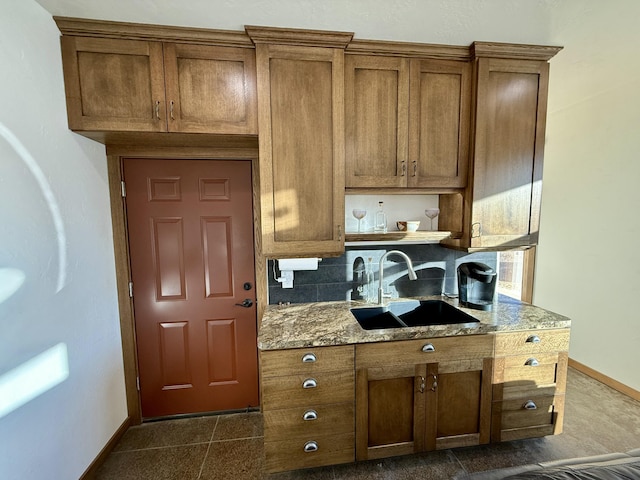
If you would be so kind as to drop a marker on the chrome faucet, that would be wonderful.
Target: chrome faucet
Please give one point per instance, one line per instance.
(412, 273)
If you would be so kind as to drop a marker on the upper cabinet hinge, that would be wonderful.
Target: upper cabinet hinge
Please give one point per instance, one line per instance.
(123, 189)
(130, 289)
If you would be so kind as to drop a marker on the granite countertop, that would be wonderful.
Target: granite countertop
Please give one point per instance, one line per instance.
(331, 323)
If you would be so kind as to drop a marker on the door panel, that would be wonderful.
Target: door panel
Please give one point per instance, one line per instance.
(191, 243)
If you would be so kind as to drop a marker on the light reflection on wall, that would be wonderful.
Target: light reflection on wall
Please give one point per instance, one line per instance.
(52, 203)
(33, 378)
(51, 367)
(11, 279)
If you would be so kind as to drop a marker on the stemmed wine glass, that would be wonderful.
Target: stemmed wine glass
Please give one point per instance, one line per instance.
(432, 213)
(359, 214)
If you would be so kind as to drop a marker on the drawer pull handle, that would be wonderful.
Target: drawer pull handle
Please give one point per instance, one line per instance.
(310, 447)
(309, 383)
(309, 358)
(428, 347)
(310, 415)
(532, 362)
(529, 405)
(533, 339)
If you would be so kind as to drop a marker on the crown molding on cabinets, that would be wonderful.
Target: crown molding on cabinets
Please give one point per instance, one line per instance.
(299, 37)
(140, 31)
(513, 51)
(408, 49)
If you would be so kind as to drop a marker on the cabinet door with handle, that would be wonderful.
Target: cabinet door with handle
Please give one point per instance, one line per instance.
(439, 119)
(301, 121)
(210, 89)
(509, 143)
(390, 413)
(113, 84)
(377, 113)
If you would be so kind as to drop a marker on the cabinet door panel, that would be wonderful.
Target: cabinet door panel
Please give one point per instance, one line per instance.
(459, 393)
(439, 124)
(210, 89)
(113, 84)
(301, 108)
(376, 101)
(509, 146)
(390, 411)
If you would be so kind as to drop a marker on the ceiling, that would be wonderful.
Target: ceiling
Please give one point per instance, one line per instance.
(453, 22)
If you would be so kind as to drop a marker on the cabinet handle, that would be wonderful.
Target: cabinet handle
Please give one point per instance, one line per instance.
(532, 362)
(529, 405)
(428, 347)
(404, 168)
(310, 383)
(310, 415)
(309, 358)
(434, 385)
(415, 168)
(157, 109)
(171, 110)
(310, 447)
(533, 339)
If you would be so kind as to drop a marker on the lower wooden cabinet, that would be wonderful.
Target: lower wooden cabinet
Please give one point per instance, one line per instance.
(331, 405)
(529, 388)
(308, 407)
(422, 395)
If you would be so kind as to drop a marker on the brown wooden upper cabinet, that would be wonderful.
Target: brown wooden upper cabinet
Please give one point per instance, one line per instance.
(301, 121)
(502, 200)
(149, 86)
(407, 122)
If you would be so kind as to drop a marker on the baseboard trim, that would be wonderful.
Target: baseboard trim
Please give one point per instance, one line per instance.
(90, 472)
(608, 381)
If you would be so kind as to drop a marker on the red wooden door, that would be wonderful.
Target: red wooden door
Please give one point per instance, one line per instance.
(192, 262)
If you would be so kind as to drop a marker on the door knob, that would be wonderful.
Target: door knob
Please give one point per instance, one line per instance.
(246, 303)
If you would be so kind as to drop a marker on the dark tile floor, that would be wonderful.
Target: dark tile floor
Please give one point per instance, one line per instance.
(597, 420)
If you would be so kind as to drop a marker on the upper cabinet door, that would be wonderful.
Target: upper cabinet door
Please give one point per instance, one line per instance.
(210, 89)
(407, 122)
(301, 121)
(113, 84)
(377, 114)
(439, 123)
(509, 148)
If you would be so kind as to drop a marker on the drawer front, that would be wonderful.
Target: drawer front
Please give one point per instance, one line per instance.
(519, 413)
(306, 422)
(540, 370)
(424, 350)
(305, 361)
(291, 454)
(290, 391)
(516, 343)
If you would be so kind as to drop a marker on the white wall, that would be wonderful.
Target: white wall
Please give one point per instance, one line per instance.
(68, 298)
(589, 261)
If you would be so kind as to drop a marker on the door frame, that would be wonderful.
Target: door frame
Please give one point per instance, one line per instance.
(115, 156)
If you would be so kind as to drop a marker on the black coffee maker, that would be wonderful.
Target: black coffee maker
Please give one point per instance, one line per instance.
(476, 285)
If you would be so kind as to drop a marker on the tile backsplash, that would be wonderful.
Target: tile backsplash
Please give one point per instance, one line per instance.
(339, 278)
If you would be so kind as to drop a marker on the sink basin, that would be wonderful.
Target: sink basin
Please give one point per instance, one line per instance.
(411, 313)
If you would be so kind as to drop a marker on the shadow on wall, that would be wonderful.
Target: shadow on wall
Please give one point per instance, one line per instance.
(338, 279)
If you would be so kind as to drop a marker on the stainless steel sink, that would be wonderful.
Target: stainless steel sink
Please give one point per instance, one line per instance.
(410, 313)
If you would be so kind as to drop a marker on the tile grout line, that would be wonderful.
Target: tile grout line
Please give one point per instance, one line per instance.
(208, 448)
(458, 460)
(160, 447)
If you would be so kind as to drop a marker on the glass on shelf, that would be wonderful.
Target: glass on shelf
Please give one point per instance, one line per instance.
(359, 214)
(431, 213)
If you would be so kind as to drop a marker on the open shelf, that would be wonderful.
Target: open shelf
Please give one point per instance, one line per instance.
(357, 239)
